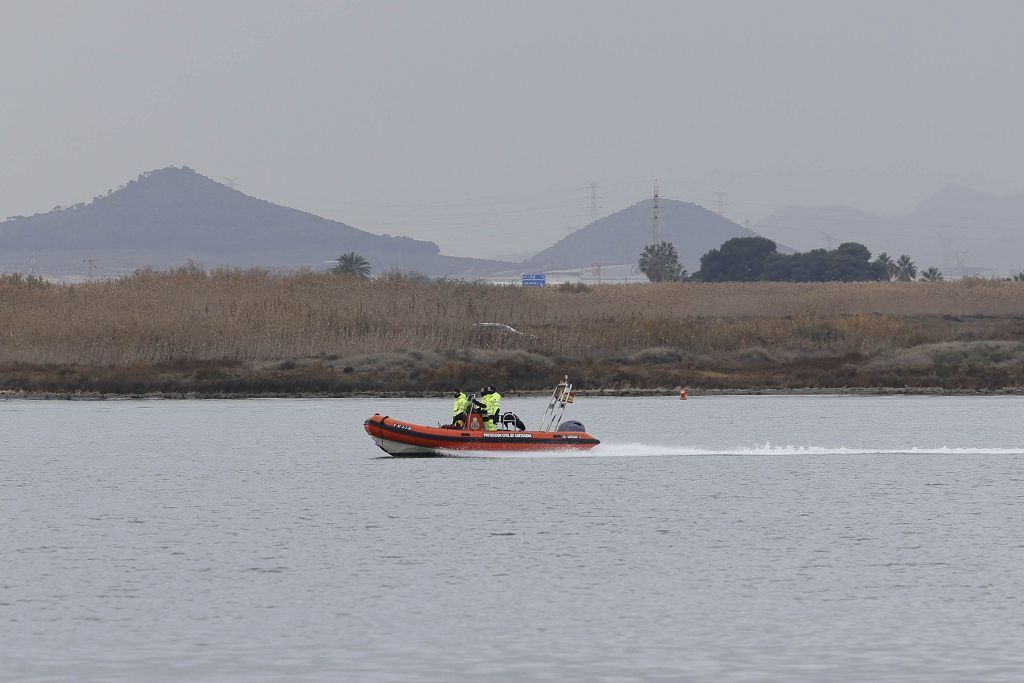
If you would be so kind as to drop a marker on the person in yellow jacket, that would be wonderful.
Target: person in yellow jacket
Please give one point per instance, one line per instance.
(492, 407)
(459, 409)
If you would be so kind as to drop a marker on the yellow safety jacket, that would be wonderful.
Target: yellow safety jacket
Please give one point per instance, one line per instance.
(493, 403)
(461, 403)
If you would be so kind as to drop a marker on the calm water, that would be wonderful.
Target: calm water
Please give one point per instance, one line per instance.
(726, 538)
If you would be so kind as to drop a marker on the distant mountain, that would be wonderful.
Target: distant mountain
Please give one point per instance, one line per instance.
(959, 229)
(167, 216)
(621, 237)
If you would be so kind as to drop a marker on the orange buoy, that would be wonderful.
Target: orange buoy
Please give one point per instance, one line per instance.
(682, 394)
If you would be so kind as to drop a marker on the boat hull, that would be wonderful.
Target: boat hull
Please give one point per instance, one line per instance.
(406, 439)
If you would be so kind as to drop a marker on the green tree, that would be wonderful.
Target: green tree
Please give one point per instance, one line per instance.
(886, 264)
(741, 259)
(351, 264)
(1019, 277)
(850, 262)
(906, 269)
(933, 274)
(660, 263)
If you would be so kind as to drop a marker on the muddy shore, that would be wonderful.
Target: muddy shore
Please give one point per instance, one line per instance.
(674, 392)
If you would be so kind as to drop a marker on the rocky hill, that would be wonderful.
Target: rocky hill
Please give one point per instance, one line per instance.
(960, 230)
(622, 236)
(165, 217)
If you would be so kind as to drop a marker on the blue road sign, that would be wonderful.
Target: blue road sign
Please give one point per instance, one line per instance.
(535, 280)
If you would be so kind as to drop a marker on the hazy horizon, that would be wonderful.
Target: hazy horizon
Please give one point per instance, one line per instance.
(477, 126)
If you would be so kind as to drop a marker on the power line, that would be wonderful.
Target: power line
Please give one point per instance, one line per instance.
(446, 216)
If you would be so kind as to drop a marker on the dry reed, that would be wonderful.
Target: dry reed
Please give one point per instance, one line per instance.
(255, 315)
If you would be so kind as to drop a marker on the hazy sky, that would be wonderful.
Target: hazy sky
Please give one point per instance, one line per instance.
(477, 124)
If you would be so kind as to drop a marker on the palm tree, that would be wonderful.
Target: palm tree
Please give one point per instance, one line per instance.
(660, 263)
(906, 269)
(888, 263)
(933, 274)
(351, 264)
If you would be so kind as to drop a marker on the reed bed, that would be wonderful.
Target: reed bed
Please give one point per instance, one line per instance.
(255, 315)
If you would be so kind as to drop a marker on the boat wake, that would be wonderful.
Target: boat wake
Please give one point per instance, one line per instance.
(640, 450)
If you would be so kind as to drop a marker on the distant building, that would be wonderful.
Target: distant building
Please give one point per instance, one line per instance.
(591, 275)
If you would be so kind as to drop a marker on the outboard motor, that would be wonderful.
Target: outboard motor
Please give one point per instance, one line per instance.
(571, 426)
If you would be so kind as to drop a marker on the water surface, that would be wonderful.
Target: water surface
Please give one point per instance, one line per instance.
(720, 538)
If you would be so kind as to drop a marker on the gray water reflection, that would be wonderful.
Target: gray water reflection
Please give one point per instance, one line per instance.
(764, 538)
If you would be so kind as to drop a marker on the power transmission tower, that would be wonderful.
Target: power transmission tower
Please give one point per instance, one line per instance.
(720, 202)
(594, 186)
(92, 266)
(961, 261)
(655, 217)
(944, 248)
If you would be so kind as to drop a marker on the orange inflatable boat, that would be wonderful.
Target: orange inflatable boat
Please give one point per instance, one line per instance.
(400, 438)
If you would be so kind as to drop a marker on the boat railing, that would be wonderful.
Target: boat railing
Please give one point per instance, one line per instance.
(561, 395)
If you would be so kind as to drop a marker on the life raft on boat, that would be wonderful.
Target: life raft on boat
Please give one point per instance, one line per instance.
(400, 438)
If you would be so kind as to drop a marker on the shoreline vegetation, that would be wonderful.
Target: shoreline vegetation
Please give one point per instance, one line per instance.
(256, 333)
(8, 395)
